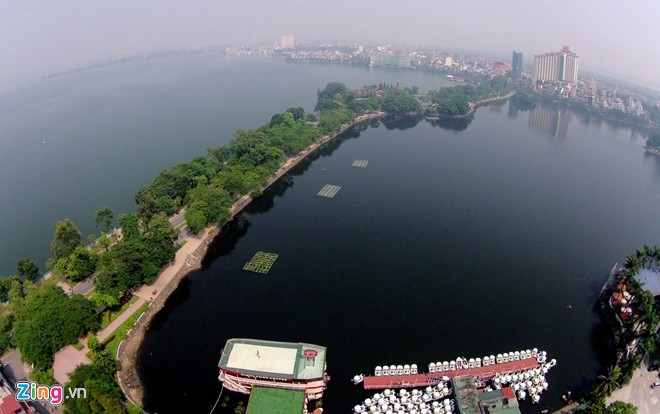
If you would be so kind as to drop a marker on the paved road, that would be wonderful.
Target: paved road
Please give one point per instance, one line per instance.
(178, 219)
(84, 287)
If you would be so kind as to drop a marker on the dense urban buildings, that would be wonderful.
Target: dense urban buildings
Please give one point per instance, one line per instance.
(559, 66)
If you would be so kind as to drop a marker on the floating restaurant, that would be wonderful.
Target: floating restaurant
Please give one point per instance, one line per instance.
(247, 364)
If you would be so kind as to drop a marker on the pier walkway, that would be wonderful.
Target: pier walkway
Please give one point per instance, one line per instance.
(432, 378)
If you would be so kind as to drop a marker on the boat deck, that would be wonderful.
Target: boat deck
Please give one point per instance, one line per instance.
(432, 378)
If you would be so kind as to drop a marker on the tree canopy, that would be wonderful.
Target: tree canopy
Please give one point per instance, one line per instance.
(28, 269)
(67, 238)
(104, 216)
(400, 103)
(654, 140)
(49, 320)
(103, 393)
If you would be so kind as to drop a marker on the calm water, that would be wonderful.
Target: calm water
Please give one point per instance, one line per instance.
(109, 132)
(458, 238)
(455, 240)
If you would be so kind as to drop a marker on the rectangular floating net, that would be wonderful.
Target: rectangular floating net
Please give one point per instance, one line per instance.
(329, 191)
(360, 163)
(261, 262)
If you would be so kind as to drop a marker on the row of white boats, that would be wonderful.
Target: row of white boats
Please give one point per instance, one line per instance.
(463, 363)
(427, 401)
(530, 382)
(433, 399)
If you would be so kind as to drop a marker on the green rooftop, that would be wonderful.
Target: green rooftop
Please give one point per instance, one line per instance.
(275, 401)
(466, 395)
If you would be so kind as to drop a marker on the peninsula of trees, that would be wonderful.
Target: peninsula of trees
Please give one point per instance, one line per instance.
(41, 319)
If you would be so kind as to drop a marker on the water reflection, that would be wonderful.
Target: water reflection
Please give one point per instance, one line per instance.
(451, 124)
(553, 121)
(226, 241)
(401, 123)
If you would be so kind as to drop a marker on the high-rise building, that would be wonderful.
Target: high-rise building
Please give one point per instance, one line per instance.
(287, 41)
(516, 64)
(559, 66)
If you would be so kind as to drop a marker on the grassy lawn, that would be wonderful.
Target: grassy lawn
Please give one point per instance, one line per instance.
(78, 346)
(112, 342)
(110, 315)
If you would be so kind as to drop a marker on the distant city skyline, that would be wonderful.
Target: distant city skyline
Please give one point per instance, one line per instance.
(611, 37)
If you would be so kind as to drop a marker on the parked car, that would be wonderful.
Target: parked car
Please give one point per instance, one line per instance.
(655, 385)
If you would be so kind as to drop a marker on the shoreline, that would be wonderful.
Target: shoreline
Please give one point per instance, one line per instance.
(652, 151)
(128, 377)
(476, 104)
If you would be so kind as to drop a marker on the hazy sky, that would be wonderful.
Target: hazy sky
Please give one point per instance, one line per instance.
(611, 36)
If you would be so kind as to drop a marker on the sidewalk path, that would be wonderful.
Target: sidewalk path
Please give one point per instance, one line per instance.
(68, 358)
(184, 254)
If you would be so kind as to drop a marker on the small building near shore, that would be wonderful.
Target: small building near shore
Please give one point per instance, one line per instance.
(249, 363)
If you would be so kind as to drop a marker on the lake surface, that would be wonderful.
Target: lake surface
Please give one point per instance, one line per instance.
(457, 239)
(110, 130)
(461, 237)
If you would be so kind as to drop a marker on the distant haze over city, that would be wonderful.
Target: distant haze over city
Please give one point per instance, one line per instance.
(611, 37)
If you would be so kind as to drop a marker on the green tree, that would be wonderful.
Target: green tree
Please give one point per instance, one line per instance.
(160, 239)
(276, 119)
(105, 362)
(48, 320)
(595, 407)
(81, 264)
(125, 266)
(400, 103)
(104, 216)
(93, 344)
(129, 225)
(608, 382)
(67, 238)
(620, 407)
(133, 409)
(195, 219)
(6, 322)
(5, 286)
(297, 112)
(43, 376)
(28, 269)
(103, 393)
(654, 140)
(101, 299)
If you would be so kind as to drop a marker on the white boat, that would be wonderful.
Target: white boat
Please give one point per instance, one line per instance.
(358, 379)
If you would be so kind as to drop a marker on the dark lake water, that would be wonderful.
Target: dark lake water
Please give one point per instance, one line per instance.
(110, 130)
(459, 238)
(456, 240)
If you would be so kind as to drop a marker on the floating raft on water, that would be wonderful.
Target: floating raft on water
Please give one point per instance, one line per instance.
(261, 262)
(360, 163)
(329, 191)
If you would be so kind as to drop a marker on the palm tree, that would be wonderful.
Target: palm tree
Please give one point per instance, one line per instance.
(608, 382)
